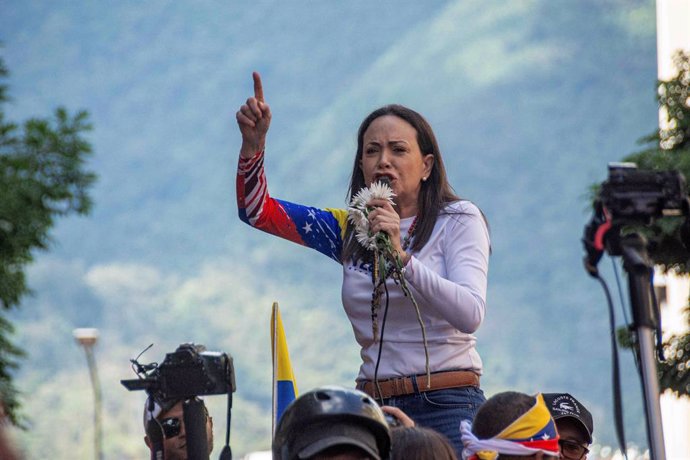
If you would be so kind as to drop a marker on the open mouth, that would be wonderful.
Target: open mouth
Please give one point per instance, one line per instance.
(383, 178)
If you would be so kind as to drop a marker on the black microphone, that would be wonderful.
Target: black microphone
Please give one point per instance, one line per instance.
(154, 431)
(385, 180)
(194, 417)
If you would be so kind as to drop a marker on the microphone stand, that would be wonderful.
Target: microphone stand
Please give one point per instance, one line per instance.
(645, 320)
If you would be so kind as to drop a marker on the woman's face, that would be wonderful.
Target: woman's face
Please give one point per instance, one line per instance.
(390, 150)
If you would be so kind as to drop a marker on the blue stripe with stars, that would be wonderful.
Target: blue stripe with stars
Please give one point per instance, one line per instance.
(319, 229)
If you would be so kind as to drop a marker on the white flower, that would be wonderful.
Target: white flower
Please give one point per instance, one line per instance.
(358, 212)
(380, 190)
(360, 200)
(357, 217)
(369, 242)
(361, 222)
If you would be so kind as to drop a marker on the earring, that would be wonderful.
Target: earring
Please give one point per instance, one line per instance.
(424, 179)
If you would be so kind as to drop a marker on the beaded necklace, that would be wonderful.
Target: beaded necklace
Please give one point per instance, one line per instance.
(410, 233)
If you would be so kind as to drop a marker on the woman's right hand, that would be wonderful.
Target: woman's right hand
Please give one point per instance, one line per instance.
(403, 419)
(253, 119)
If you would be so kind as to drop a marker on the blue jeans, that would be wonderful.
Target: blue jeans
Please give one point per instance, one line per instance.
(441, 410)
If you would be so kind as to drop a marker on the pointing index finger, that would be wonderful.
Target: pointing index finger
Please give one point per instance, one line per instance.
(258, 87)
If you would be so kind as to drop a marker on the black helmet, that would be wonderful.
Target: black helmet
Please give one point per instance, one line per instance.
(331, 416)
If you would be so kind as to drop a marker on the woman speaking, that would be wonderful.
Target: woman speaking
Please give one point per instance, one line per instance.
(414, 258)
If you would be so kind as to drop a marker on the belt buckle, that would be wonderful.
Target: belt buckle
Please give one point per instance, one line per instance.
(398, 386)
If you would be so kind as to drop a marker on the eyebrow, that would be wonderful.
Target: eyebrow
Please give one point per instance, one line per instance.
(394, 141)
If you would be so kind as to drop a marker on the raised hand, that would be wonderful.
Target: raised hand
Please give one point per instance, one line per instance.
(384, 218)
(253, 119)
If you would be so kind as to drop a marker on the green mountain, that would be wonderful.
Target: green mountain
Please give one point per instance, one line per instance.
(529, 101)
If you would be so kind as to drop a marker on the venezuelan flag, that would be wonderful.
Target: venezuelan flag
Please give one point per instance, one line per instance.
(284, 386)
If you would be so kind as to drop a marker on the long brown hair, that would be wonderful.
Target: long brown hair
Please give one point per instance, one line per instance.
(435, 192)
(417, 443)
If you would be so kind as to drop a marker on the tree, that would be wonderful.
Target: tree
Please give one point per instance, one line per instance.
(669, 149)
(42, 177)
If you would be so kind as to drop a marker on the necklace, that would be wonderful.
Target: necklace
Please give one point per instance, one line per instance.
(410, 233)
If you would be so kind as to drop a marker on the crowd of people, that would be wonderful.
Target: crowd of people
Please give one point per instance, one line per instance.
(338, 423)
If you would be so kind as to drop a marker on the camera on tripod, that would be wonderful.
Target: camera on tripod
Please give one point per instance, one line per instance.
(627, 205)
(188, 371)
(629, 198)
(631, 195)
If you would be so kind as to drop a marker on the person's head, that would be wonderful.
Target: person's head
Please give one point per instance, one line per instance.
(417, 443)
(332, 423)
(512, 425)
(170, 416)
(574, 422)
(397, 142)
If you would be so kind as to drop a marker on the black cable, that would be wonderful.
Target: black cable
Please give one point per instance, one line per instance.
(628, 323)
(226, 453)
(227, 429)
(617, 402)
(378, 357)
(620, 292)
(655, 308)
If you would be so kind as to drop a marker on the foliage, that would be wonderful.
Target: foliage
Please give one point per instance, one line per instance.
(42, 177)
(674, 373)
(669, 149)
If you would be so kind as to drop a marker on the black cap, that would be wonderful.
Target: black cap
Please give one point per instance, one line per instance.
(316, 440)
(562, 405)
(331, 416)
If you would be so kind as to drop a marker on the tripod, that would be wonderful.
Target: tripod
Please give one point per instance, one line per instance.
(633, 249)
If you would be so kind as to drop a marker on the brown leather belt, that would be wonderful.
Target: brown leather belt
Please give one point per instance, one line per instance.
(403, 385)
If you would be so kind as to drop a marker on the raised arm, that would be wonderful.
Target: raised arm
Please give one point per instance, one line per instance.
(320, 229)
(253, 119)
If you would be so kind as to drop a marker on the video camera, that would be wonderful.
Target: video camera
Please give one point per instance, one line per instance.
(631, 195)
(184, 374)
(188, 371)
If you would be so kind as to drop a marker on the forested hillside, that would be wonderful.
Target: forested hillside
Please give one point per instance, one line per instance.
(529, 101)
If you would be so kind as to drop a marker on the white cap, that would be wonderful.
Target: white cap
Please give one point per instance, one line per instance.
(149, 414)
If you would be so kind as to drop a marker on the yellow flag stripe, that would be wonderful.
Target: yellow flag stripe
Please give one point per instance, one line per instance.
(282, 367)
(341, 216)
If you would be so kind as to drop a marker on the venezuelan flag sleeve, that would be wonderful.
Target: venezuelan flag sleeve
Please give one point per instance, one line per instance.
(284, 385)
(320, 229)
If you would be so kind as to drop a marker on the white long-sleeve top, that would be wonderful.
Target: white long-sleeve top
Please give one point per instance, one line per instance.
(447, 277)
